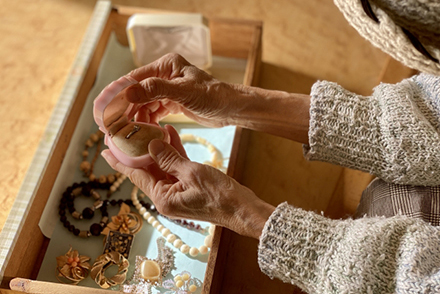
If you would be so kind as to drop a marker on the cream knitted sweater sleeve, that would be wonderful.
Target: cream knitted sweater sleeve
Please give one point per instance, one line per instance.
(393, 134)
(368, 255)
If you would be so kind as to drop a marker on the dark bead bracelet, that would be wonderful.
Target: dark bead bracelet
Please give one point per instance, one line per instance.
(187, 224)
(89, 190)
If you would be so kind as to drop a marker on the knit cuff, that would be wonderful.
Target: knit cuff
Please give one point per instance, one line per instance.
(392, 134)
(367, 255)
(294, 244)
(343, 128)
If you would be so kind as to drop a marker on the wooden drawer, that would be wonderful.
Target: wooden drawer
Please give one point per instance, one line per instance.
(26, 245)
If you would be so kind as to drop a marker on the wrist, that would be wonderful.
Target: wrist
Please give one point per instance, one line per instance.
(234, 100)
(275, 112)
(253, 217)
(244, 100)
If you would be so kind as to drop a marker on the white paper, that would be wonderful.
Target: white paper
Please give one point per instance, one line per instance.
(116, 62)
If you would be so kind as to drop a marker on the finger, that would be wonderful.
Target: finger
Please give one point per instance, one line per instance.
(159, 114)
(168, 159)
(145, 111)
(143, 115)
(155, 171)
(138, 177)
(175, 140)
(172, 106)
(163, 67)
(151, 89)
(146, 71)
(152, 106)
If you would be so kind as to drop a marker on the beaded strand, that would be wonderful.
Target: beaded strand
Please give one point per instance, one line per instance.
(88, 190)
(87, 167)
(190, 225)
(216, 157)
(66, 202)
(171, 238)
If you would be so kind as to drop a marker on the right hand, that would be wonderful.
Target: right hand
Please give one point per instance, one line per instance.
(172, 85)
(181, 188)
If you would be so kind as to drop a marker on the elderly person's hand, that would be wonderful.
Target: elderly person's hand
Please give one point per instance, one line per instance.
(172, 85)
(183, 189)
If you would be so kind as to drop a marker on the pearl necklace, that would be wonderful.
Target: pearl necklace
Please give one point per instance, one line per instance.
(170, 237)
(216, 157)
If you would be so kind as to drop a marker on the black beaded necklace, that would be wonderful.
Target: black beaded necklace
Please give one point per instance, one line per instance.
(67, 202)
(88, 189)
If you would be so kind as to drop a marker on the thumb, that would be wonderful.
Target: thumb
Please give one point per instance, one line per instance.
(149, 90)
(167, 158)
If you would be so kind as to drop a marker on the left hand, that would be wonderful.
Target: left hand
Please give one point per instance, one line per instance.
(172, 85)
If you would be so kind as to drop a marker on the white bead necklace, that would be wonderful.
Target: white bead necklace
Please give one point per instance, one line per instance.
(169, 236)
(216, 157)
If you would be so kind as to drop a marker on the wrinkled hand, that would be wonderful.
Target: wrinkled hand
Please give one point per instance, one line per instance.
(172, 85)
(181, 188)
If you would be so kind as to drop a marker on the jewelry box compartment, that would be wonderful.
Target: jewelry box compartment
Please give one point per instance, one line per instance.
(236, 48)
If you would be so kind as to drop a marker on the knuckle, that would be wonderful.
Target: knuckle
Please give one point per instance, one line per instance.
(173, 56)
(135, 72)
(177, 60)
(154, 87)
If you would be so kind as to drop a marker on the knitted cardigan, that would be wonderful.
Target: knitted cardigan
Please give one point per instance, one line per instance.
(393, 134)
(367, 255)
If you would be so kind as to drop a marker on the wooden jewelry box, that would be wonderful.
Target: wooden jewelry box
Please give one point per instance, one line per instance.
(24, 245)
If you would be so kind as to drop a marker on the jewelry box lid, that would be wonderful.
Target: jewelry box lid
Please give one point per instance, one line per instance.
(110, 105)
(152, 35)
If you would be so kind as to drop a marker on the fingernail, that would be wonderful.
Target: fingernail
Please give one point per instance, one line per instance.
(156, 147)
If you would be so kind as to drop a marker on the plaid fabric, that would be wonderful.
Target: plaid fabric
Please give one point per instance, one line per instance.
(385, 199)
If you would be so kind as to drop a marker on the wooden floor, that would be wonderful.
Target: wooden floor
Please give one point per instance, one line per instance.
(302, 41)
